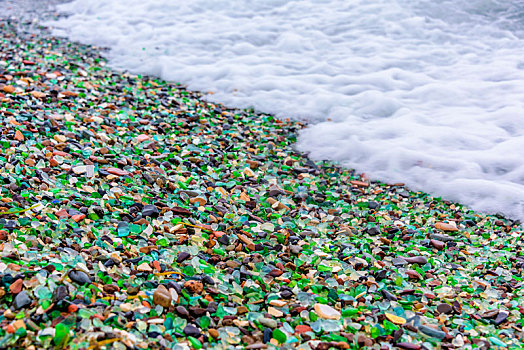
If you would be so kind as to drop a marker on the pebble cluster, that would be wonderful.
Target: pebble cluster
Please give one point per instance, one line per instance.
(134, 214)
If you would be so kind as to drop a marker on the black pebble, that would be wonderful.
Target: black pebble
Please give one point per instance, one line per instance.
(223, 240)
(286, 294)
(150, 210)
(60, 293)
(192, 331)
(182, 256)
(268, 333)
(388, 295)
(373, 231)
(501, 318)
(182, 311)
(373, 205)
(22, 300)
(79, 277)
(207, 279)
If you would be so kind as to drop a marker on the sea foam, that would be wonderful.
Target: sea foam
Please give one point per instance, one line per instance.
(425, 92)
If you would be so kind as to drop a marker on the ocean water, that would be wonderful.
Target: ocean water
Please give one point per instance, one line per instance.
(28, 11)
(425, 92)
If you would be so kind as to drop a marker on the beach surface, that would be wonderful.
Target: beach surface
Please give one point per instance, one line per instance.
(136, 214)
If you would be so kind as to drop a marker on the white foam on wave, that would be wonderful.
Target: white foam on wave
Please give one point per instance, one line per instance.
(426, 92)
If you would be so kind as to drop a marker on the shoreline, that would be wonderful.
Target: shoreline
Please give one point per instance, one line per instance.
(159, 218)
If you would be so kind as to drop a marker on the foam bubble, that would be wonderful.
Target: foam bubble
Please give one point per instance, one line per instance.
(426, 92)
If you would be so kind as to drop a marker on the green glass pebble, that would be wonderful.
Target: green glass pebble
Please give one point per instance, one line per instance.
(279, 335)
(388, 326)
(44, 293)
(189, 270)
(322, 300)
(135, 228)
(218, 251)
(45, 303)
(162, 242)
(85, 313)
(377, 331)
(349, 312)
(61, 335)
(205, 321)
(324, 268)
(21, 332)
(195, 343)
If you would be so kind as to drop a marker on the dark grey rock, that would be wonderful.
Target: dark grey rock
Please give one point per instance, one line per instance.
(182, 256)
(432, 332)
(399, 262)
(22, 300)
(268, 334)
(60, 293)
(150, 210)
(373, 231)
(444, 308)
(501, 318)
(191, 331)
(421, 260)
(79, 277)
